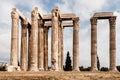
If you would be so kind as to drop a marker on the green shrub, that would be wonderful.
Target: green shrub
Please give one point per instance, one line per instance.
(118, 68)
(2, 68)
(104, 69)
(81, 68)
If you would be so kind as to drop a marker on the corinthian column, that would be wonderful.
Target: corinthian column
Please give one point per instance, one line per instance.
(34, 31)
(62, 47)
(46, 48)
(76, 44)
(59, 46)
(14, 38)
(112, 22)
(23, 45)
(29, 47)
(54, 41)
(93, 44)
(41, 45)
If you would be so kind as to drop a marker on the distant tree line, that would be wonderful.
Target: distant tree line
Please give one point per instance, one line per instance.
(2, 68)
(81, 68)
(68, 66)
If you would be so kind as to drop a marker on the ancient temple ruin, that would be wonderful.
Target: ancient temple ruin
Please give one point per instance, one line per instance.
(34, 40)
(112, 44)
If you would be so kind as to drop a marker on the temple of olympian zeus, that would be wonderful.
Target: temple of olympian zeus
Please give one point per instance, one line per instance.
(34, 40)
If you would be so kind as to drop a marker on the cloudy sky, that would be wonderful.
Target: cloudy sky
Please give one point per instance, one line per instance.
(84, 9)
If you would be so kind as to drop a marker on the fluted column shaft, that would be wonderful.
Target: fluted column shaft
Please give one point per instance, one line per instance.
(46, 48)
(23, 45)
(59, 46)
(54, 41)
(94, 44)
(29, 47)
(34, 31)
(14, 38)
(76, 44)
(41, 45)
(112, 22)
(62, 47)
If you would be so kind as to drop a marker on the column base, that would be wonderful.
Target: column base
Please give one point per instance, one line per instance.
(94, 69)
(61, 70)
(77, 69)
(33, 69)
(45, 69)
(53, 70)
(23, 69)
(41, 69)
(11, 68)
(113, 70)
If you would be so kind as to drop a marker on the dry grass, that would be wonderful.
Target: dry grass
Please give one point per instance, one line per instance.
(59, 75)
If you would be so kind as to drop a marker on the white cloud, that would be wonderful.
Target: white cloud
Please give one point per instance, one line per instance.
(85, 8)
(5, 12)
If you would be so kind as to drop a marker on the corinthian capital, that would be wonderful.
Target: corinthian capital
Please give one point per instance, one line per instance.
(24, 21)
(34, 14)
(14, 14)
(112, 20)
(76, 20)
(93, 21)
(56, 12)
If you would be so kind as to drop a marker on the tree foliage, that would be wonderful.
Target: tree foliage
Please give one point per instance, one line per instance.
(104, 69)
(81, 68)
(68, 66)
(2, 68)
(98, 63)
(118, 68)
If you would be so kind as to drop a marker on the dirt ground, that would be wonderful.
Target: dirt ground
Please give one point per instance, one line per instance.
(59, 75)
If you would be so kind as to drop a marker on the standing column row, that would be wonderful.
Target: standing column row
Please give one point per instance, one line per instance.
(29, 47)
(59, 46)
(14, 38)
(76, 44)
(34, 42)
(42, 55)
(112, 22)
(34, 60)
(62, 46)
(93, 44)
(54, 41)
(15, 43)
(38, 42)
(40, 45)
(23, 59)
(46, 48)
